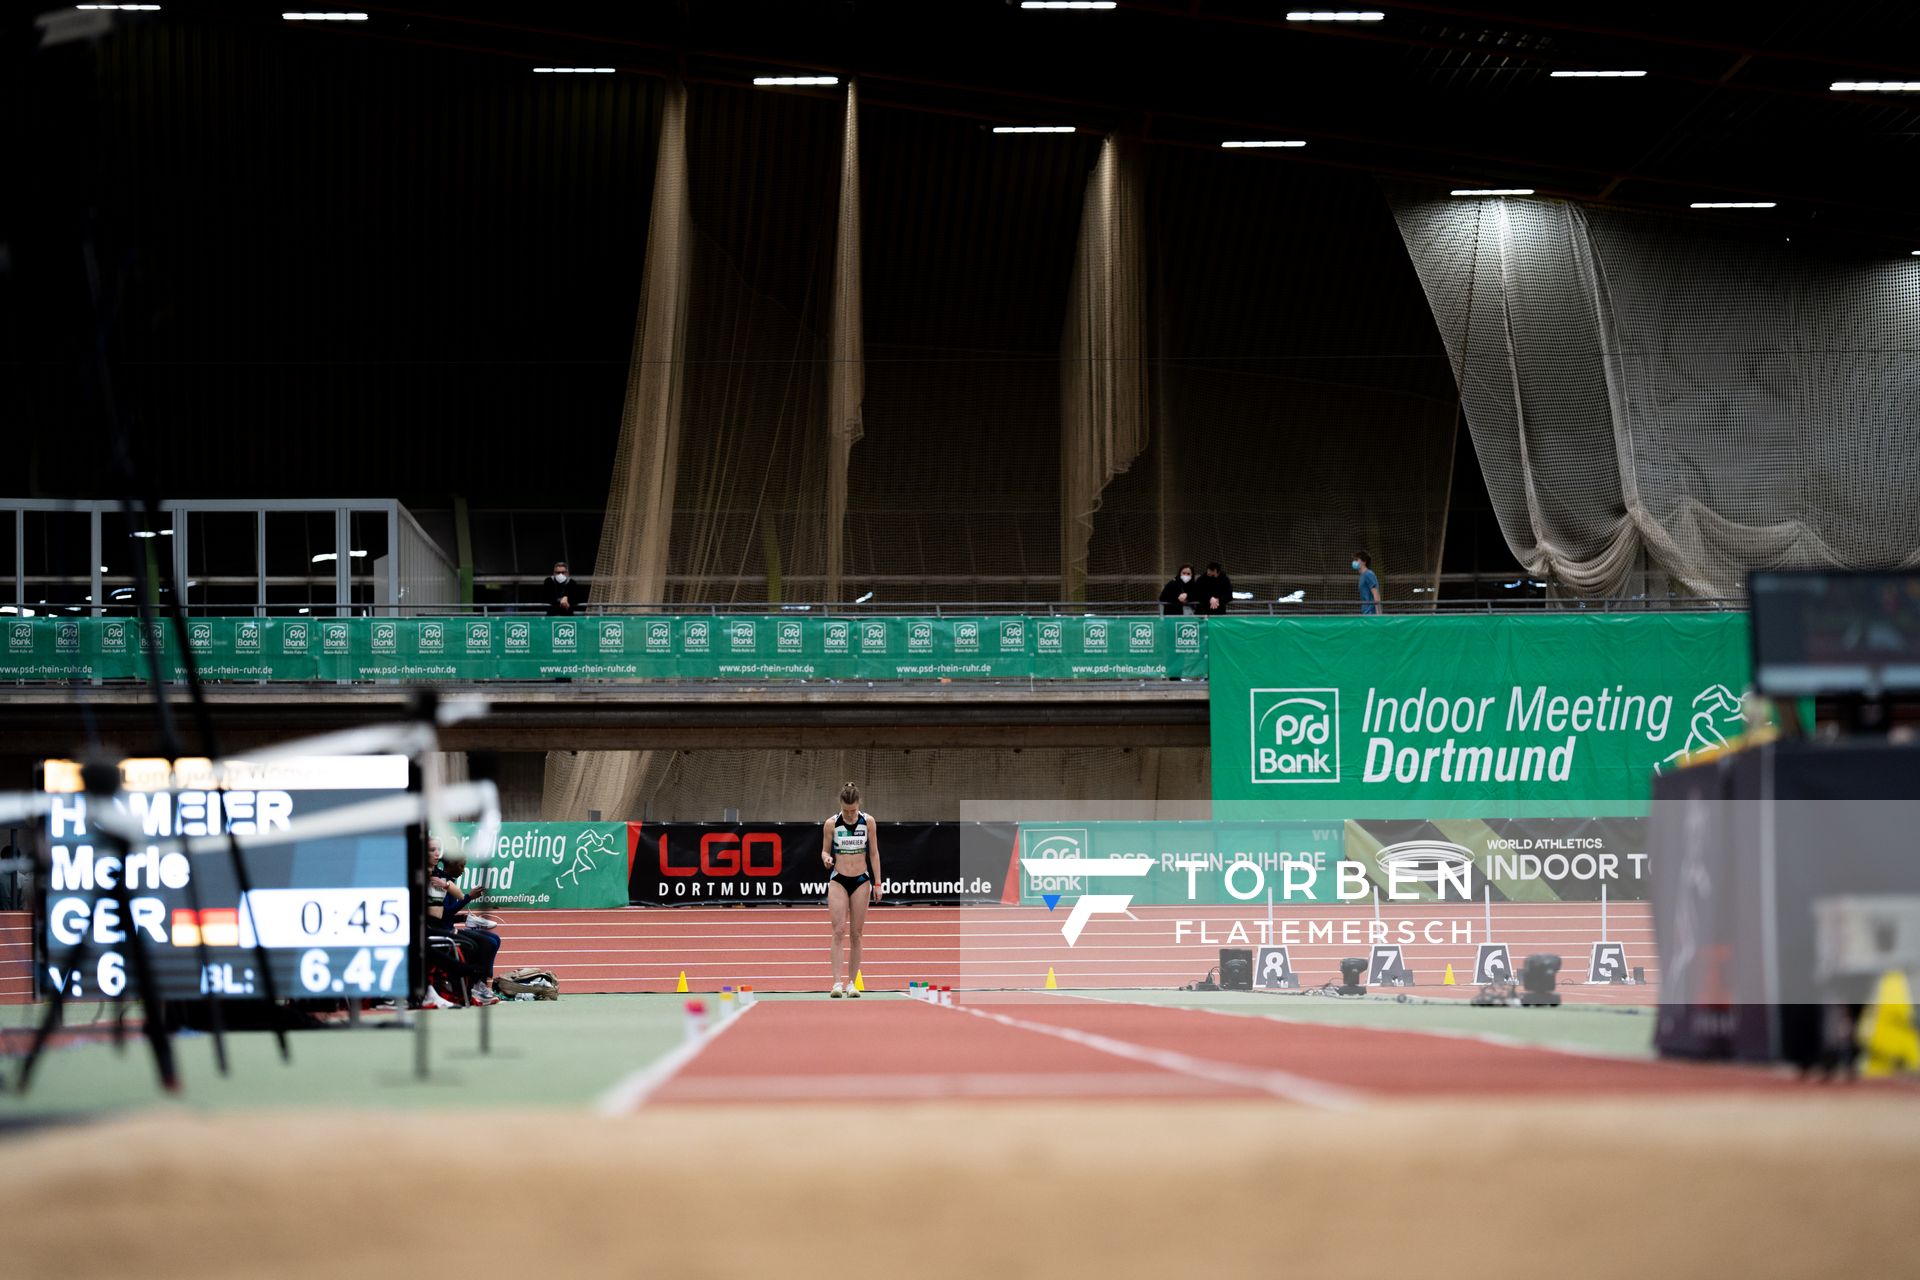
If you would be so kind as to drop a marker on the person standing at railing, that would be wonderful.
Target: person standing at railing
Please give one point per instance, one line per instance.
(1176, 597)
(1216, 590)
(563, 592)
(1370, 601)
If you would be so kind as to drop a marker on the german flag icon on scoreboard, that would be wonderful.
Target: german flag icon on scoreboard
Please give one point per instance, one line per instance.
(213, 927)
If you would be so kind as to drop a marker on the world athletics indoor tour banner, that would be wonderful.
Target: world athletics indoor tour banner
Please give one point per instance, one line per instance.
(685, 647)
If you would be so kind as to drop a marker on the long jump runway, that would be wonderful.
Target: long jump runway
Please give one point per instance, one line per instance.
(892, 1048)
(785, 948)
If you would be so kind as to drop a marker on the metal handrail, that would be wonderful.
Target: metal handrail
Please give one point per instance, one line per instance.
(967, 608)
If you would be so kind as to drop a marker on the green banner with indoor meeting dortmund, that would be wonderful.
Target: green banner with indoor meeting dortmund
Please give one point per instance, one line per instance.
(539, 865)
(641, 647)
(1445, 717)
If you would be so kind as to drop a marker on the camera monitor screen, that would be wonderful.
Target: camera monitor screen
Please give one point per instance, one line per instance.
(1839, 634)
(337, 915)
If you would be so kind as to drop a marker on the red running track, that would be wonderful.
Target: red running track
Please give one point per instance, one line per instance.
(786, 948)
(1066, 1046)
(16, 957)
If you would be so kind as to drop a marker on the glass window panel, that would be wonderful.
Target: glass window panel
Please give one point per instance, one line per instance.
(222, 555)
(9, 549)
(58, 547)
(369, 560)
(301, 562)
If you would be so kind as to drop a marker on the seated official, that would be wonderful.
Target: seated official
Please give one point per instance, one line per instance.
(477, 944)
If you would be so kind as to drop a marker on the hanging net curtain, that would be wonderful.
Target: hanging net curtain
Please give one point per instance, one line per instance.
(847, 380)
(632, 560)
(1645, 396)
(1301, 403)
(1103, 371)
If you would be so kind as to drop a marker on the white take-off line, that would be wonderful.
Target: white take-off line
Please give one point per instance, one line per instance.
(631, 1092)
(1280, 1084)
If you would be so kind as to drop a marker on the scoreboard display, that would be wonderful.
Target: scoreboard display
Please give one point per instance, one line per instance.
(337, 916)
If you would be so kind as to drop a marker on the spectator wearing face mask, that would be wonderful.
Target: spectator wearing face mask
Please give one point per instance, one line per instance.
(564, 595)
(1177, 596)
(1370, 601)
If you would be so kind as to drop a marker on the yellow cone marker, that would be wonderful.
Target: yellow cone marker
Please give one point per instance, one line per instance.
(1052, 985)
(859, 983)
(1889, 1041)
(1447, 981)
(680, 988)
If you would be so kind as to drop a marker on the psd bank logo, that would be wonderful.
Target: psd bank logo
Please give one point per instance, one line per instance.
(1295, 735)
(20, 637)
(200, 637)
(1055, 858)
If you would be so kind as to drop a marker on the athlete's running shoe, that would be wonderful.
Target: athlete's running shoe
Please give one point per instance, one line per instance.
(836, 992)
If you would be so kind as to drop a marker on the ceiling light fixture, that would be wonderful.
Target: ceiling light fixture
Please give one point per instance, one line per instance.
(124, 8)
(1494, 191)
(1335, 15)
(1068, 4)
(1595, 75)
(324, 17)
(573, 71)
(1238, 146)
(1876, 86)
(1731, 204)
(783, 81)
(1033, 128)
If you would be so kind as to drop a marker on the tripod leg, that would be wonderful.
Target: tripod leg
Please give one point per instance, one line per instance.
(52, 1019)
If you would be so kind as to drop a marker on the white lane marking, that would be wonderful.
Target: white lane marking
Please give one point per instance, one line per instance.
(1493, 1038)
(632, 1092)
(994, 1084)
(1280, 1084)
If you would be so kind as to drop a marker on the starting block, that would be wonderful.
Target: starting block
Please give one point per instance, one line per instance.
(1273, 969)
(1492, 963)
(1387, 967)
(1607, 966)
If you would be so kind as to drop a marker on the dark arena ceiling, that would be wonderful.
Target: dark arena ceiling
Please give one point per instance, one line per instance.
(1735, 104)
(339, 216)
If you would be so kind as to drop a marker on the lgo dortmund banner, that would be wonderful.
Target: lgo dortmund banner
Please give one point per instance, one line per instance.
(1440, 717)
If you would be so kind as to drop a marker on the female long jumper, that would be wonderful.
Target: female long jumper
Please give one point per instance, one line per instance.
(850, 849)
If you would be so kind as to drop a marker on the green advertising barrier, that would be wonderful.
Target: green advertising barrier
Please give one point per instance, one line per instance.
(1444, 717)
(1240, 862)
(539, 865)
(682, 647)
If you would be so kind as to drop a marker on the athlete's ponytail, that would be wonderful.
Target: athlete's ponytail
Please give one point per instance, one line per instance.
(850, 794)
